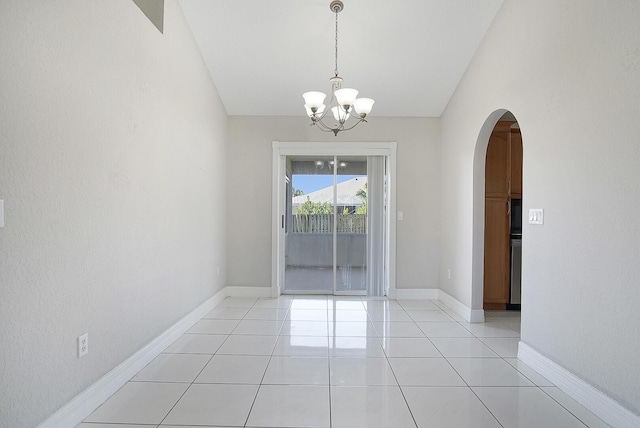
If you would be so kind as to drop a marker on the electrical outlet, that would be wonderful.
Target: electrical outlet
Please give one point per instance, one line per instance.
(83, 345)
(218, 271)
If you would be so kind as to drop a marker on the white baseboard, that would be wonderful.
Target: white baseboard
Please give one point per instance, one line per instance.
(416, 294)
(76, 410)
(469, 315)
(596, 401)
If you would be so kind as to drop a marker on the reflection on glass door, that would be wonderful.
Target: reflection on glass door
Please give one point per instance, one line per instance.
(325, 227)
(351, 218)
(309, 226)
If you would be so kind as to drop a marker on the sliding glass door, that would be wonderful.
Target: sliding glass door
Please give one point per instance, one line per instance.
(328, 244)
(333, 231)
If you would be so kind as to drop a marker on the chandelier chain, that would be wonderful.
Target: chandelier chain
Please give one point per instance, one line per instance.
(336, 57)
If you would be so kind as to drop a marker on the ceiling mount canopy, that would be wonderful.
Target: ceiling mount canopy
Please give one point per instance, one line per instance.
(346, 104)
(336, 6)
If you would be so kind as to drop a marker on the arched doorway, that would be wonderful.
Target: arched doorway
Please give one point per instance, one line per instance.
(497, 226)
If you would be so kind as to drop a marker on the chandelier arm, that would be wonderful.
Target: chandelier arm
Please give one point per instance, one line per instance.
(323, 126)
(319, 118)
(354, 125)
(340, 127)
(326, 109)
(335, 129)
(332, 130)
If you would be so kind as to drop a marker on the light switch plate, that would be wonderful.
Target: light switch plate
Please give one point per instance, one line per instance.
(400, 216)
(536, 216)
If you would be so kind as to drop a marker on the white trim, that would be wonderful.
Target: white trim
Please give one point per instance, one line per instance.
(277, 209)
(76, 410)
(391, 222)
(416, 294)
(594, 400)
(470, 315)
(334, 148)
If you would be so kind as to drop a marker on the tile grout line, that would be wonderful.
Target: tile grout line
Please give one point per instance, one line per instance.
(402, 392)
(561, 405)
(329, 369)
(194, 379)
(468, 387)
(380, 338)
(260, 384)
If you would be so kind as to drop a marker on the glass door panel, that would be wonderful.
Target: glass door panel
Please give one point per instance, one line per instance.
(309, 226)
(328, 247)
(351, 224)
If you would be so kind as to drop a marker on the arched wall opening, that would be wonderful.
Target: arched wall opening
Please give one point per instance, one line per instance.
(478, 233)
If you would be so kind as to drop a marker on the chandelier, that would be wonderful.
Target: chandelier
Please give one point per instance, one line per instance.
(347, 105)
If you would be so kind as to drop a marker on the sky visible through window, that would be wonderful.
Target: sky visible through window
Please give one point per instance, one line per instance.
(310, 183)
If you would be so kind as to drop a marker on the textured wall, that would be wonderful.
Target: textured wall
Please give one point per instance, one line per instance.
(113, 173)
(570, 72)
(250, 153)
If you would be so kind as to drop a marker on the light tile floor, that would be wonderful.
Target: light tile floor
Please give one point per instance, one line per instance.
(317, 361)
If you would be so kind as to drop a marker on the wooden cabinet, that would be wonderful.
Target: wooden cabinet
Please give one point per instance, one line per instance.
(503, 182)
(516, 164)
(496, 253)
(503, 168)
(498, 161)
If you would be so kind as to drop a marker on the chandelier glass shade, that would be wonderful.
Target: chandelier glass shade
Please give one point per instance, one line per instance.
(343, 103)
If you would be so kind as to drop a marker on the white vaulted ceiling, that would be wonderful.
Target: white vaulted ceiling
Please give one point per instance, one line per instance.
(409, 55)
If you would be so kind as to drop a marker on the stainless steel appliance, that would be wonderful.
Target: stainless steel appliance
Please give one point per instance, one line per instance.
(516, 269)
(516, 253)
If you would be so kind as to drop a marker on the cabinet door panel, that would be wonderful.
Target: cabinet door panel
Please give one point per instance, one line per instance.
(496, 251)
(516, 164)
(498, 167)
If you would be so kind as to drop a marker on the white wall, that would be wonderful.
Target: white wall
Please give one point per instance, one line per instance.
(570, 72)
(113, 173)
(249, 202)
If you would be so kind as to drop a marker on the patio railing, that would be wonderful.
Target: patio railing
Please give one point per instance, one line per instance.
(323, 223)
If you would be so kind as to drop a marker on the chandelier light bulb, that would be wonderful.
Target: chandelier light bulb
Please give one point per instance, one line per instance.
(340, 114)
(346, 96)
(314, 99)
(319, 111)
(308, 110)
(363, 106)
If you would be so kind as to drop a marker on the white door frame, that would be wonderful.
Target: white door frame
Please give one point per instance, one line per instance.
(283, 149)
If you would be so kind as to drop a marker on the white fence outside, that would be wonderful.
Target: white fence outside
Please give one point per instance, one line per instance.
(323, 223)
